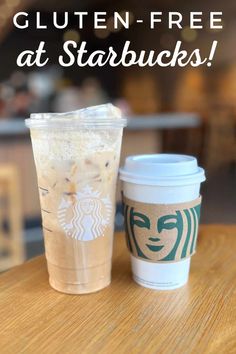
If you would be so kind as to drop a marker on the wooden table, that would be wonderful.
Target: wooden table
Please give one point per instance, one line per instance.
(126, 318)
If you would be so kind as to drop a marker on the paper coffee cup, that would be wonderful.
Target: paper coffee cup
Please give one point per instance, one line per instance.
(161, 195)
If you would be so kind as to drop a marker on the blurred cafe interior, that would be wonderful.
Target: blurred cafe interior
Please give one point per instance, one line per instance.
(179, 110)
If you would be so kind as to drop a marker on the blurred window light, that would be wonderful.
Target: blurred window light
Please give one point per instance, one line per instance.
(131, 18)
(7, 92)
(188, 34)
(3, 18)
(101, 33)
(18, 79)
(12, 3)
(110, 24)
(5, 12)
(71, 35)
(41, 84)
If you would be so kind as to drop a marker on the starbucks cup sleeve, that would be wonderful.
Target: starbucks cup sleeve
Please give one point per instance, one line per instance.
(171, 229)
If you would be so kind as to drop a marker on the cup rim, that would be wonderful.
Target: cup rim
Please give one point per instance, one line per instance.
(104, 115)
(71, 122)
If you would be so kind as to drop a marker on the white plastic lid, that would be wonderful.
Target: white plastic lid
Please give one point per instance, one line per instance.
(162, 170)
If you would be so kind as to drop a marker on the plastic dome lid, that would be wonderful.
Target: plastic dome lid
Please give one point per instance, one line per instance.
(162, 170)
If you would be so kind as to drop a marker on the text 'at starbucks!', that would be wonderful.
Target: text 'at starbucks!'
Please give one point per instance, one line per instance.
(78, 53)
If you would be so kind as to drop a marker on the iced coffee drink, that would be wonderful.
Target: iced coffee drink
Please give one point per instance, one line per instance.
(77, 158)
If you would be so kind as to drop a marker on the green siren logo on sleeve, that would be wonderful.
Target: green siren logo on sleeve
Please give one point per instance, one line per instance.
(161, 232)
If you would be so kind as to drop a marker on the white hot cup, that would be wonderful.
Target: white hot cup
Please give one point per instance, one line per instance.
(166, 181)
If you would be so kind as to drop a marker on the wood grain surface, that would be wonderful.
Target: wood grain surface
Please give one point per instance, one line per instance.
(126, 318)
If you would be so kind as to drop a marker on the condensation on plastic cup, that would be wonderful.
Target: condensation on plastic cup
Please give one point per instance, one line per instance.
(161, 179)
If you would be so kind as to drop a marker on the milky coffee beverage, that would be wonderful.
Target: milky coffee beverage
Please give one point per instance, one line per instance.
(77, 157)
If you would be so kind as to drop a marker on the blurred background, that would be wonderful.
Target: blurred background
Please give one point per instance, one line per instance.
(182, 110)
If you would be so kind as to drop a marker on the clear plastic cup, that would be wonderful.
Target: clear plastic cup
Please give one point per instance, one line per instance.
(77, 157)
(166, 180)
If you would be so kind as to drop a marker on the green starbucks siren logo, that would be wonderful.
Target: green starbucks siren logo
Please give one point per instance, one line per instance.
(160, 232)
